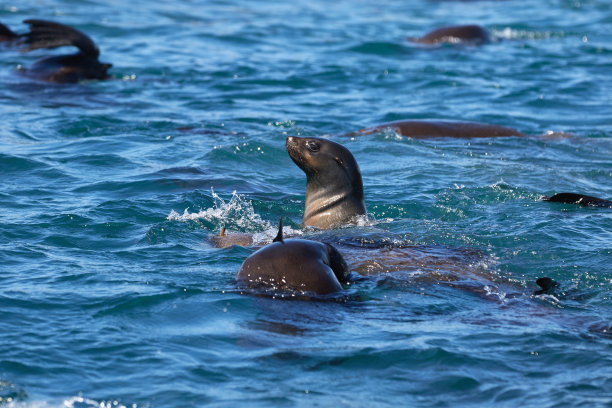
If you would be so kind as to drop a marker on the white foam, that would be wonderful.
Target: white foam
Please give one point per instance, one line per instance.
(237, 211)
(72, 402)
(366, 220)
(513, 34)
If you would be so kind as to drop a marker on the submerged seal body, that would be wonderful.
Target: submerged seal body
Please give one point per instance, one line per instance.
(334, 189)
(224, 240)
(67, 69)
(423, 129)
(296, 265)
(464, 34)
(63, 68)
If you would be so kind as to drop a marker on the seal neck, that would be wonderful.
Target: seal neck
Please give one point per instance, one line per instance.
(325, 208)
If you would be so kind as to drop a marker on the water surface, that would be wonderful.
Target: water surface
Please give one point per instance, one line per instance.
(111, 294)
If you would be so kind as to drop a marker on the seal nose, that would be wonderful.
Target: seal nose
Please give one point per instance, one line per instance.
(291, 142)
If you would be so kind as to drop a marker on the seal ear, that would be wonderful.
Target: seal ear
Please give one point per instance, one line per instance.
(338, 160)
(279, 236)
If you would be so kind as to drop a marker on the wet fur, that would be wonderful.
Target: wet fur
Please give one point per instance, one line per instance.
(294, 265)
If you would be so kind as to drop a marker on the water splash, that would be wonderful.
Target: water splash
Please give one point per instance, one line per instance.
(238, 212)
(509, 33)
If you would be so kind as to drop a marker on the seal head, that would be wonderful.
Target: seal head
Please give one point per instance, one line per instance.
(464, 34)
(547, 286)
(334, 189)
(294, 265)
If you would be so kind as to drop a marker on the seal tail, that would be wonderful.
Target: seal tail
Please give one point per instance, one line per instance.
(6, 34)
(47, 34)
(279, 236)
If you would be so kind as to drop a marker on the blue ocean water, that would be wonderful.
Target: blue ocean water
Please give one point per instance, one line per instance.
(111, 293)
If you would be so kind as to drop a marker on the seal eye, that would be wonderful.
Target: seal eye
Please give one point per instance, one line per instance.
(313, 146)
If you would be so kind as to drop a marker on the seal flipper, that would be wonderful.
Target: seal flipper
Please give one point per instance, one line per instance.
(581, 199)
(48, 34)
(6, 34)
(279, 236)
(547, 284)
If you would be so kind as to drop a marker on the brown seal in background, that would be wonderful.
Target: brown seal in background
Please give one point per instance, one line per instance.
(459, 34)
(423, 129)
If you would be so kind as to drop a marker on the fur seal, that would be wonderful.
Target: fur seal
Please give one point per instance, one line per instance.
(294, 265)
(424, 129)
(70, 68)
(581, 199)
(459, 34)
(334, 190)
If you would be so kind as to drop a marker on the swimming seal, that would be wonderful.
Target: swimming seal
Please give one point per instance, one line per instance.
(424, 129)
(464, 34)
(334, 189)
(580, 199)
(69, 68)
(296, 265)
